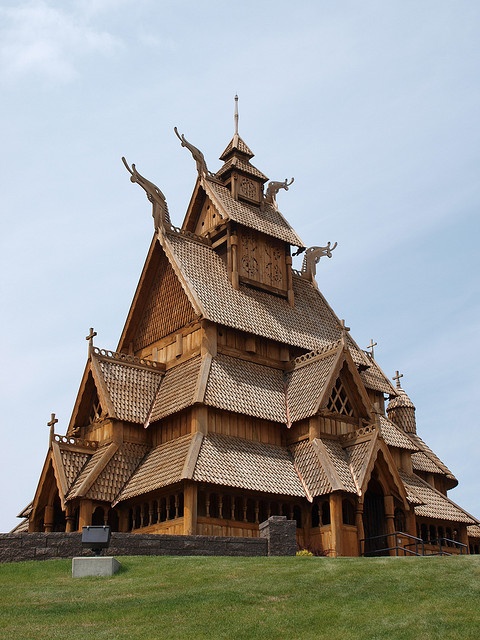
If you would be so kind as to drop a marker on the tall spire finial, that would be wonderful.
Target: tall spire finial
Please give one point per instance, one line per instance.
(236, 115)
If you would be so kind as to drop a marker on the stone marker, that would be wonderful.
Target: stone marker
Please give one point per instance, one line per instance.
(95, 566)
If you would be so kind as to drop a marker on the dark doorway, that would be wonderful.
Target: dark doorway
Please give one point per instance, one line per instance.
(374, 520)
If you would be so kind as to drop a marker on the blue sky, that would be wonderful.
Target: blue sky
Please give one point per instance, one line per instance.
(371, 106)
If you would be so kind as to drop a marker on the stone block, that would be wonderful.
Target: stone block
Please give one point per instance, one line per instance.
(280, 534)
(94, 566)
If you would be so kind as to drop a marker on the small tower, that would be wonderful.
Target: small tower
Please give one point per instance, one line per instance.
(401, 409)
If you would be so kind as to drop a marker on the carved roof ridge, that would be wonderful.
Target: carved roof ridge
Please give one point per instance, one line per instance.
(74, 442)
(316, 354)
(188, 234)
(125, 358)
(363, 433)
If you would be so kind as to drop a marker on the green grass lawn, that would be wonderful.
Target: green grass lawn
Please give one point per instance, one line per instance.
(245, 598)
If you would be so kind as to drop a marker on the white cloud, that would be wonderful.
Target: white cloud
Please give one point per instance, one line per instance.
(40, 40)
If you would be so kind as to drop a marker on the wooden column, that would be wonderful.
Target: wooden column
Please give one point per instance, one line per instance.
(190, 508)
(336, 522)
(307, 524)
(390, 518)
(359, 525)
(48, 518)
(411, 522)
(123, 514)
(70, 519)
(85, 516)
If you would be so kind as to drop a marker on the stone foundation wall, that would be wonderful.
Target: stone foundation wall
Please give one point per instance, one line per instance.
(16, 547)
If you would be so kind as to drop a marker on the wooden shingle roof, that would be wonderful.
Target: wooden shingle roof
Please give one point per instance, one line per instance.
(161, 467)
(394, 436)
(177, 390)
(245, 387)
(430, 503)
(266, 220)
(428, 453)
(107, 471)
(244, 464)
(131, 387)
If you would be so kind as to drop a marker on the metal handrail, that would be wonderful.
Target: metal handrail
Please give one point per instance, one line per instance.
(411, 547)
(414, 546)
(449, 543)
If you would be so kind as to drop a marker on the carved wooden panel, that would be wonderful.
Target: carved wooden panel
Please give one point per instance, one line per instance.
(248, 189)
(262, 259)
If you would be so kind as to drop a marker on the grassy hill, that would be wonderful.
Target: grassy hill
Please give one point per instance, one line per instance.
(245, 599)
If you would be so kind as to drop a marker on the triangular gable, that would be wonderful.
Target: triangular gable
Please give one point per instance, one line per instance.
(344, 392)
(63, 463)
(44, 487)
(116, 386)
(367, 451)
(162, 304)
(327, 382)
(92, 400)
(202, 209)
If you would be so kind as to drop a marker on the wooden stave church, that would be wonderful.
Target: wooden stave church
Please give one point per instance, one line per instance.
(236, 393)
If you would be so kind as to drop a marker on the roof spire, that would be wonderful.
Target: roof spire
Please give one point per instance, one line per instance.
(235, 117)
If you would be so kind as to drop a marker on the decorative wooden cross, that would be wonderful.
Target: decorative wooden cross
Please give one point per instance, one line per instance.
(90, 338)
(345, 330)
(370, 346)
(397, 377)
(51, 424)
(344, 326)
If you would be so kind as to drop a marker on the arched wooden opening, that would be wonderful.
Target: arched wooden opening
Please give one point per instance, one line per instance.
(374, 523)
(98, 517)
